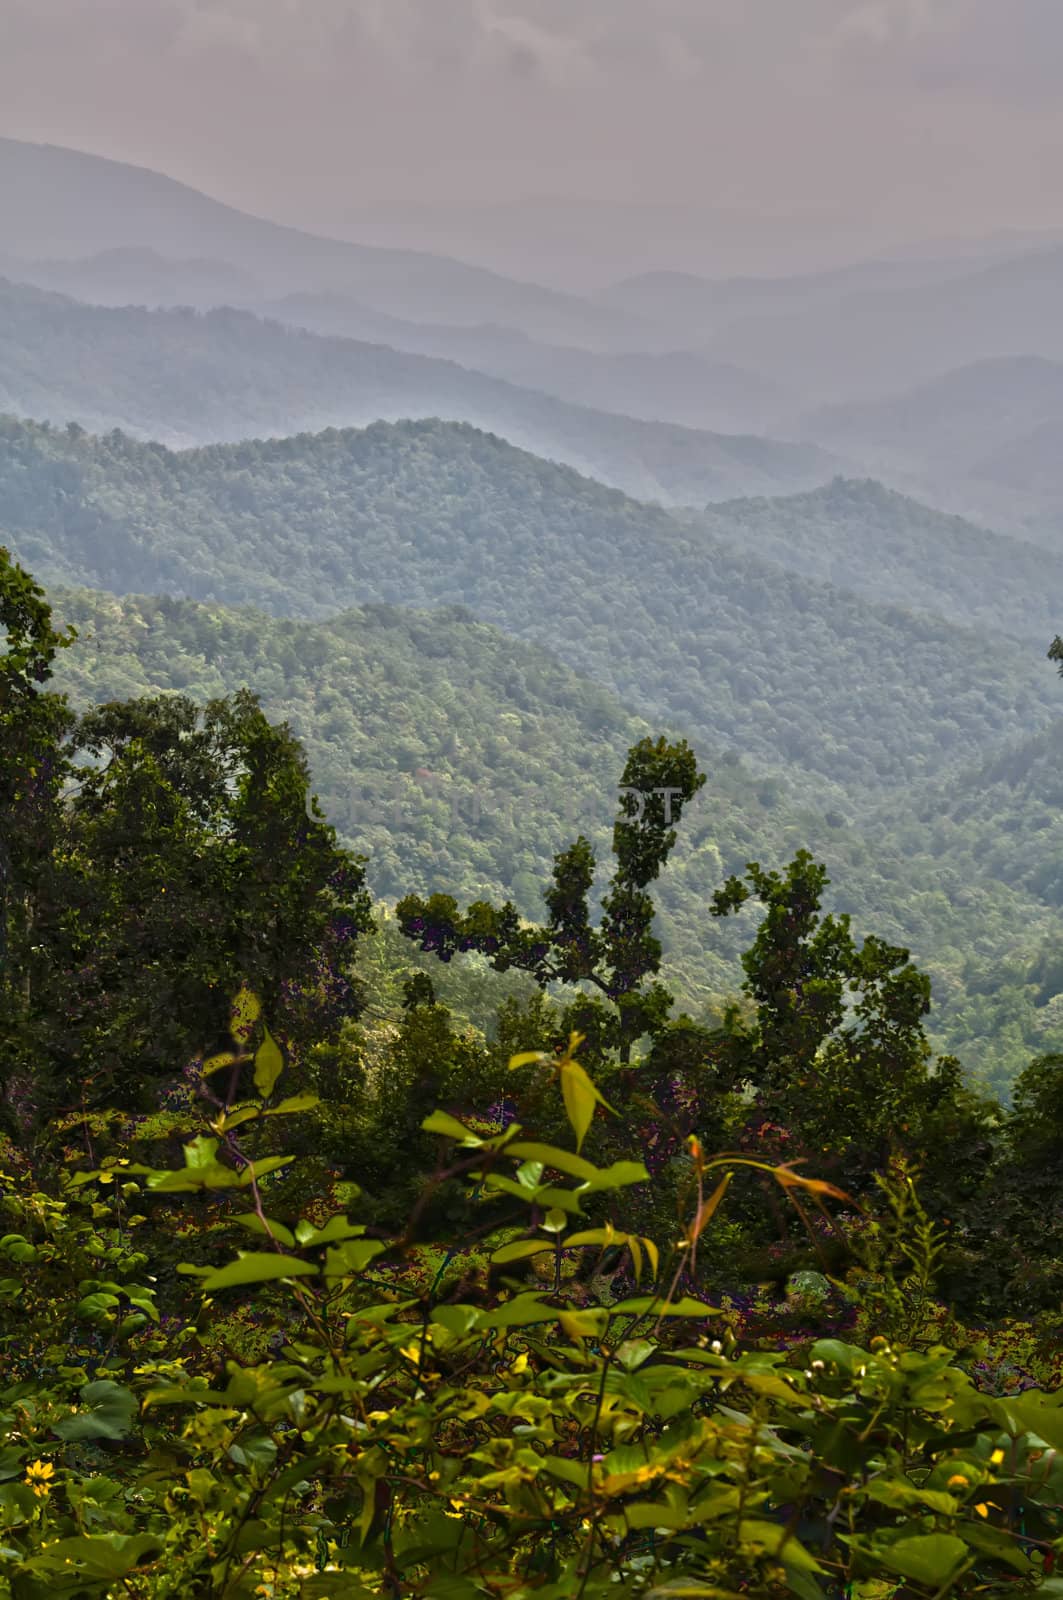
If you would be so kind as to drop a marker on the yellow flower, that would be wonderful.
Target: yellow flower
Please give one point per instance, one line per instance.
(957, 1481)
(37, 1476)
(982, 1509)
(996, 1458)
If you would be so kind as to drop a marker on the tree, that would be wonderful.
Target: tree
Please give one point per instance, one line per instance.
(189, 859)
(33, 764)
(835, 1048)
(619, 957)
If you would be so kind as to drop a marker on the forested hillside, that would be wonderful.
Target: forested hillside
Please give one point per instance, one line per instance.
(890, 549)
(858, 698)
(229, 375)
(461, 761)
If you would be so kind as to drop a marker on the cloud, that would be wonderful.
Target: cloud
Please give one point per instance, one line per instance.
(911, 113)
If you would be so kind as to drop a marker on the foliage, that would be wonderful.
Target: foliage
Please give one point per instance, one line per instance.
(155, 856)
(457, 759)
(620, 955)
(714, 642)
(527, 1443)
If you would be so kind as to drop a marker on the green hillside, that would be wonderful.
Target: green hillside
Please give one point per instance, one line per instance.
(461, 761)
(856, 698)
(890, 549)
(192, 379)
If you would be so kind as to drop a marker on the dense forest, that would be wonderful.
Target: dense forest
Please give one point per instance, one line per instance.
(431, 513)
(458, 757)
(209, 1039)
(531, 1006)
(826, 716)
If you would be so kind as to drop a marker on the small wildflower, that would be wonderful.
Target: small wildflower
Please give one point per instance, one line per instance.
(996, 1458)
(982, 1509)
(957, 1481)
(38, 1476)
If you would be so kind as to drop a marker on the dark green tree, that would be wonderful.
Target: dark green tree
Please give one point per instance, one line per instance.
(835, 1048)
(618, 958)
(33, 764)
(189, 859)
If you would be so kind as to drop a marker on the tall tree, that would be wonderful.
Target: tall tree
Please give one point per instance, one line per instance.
(190, 859)
(33, 764)
(617, 959)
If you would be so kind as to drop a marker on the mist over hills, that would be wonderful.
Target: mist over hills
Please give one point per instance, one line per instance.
(186, 378)
(678, 385)
(694, 308)
(951, 422)
(64, 203)
(865, 344)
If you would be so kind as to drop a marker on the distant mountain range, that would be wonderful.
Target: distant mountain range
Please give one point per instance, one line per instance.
(65, 204)
(862, 345)
(186, 378)
(988, 437)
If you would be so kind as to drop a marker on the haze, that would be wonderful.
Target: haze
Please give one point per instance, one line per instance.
(574, 142)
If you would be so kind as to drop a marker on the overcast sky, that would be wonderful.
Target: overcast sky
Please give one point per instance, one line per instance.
(773, 129)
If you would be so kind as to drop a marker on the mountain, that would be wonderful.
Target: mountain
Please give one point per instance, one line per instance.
(890, 549)
(188, 379)
(139, 277)
(697, 307)
(1032, 462)
(678, 386)
(461, 760)
(862, 345)
(64, 203)
(854, 698)
(952, 422)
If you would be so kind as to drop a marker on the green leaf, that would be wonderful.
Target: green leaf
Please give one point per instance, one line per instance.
(773, 1538)
(200, 1151)
(520, 1312)
(521, 1250)
(525, 1059)
(215, 1063)
(107, 1555)
(257, 1266)
(269, 1064)
(551, 1156)
(245, 1012)
(580, 1097)
(352, 1257)
(275, 1230)
(641, 1304)
(450, 1127)
(237, 1117)
(931, 1558)
(110, 1414)
(335, 1228)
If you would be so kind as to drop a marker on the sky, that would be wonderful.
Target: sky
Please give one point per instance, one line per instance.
(724, 134)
